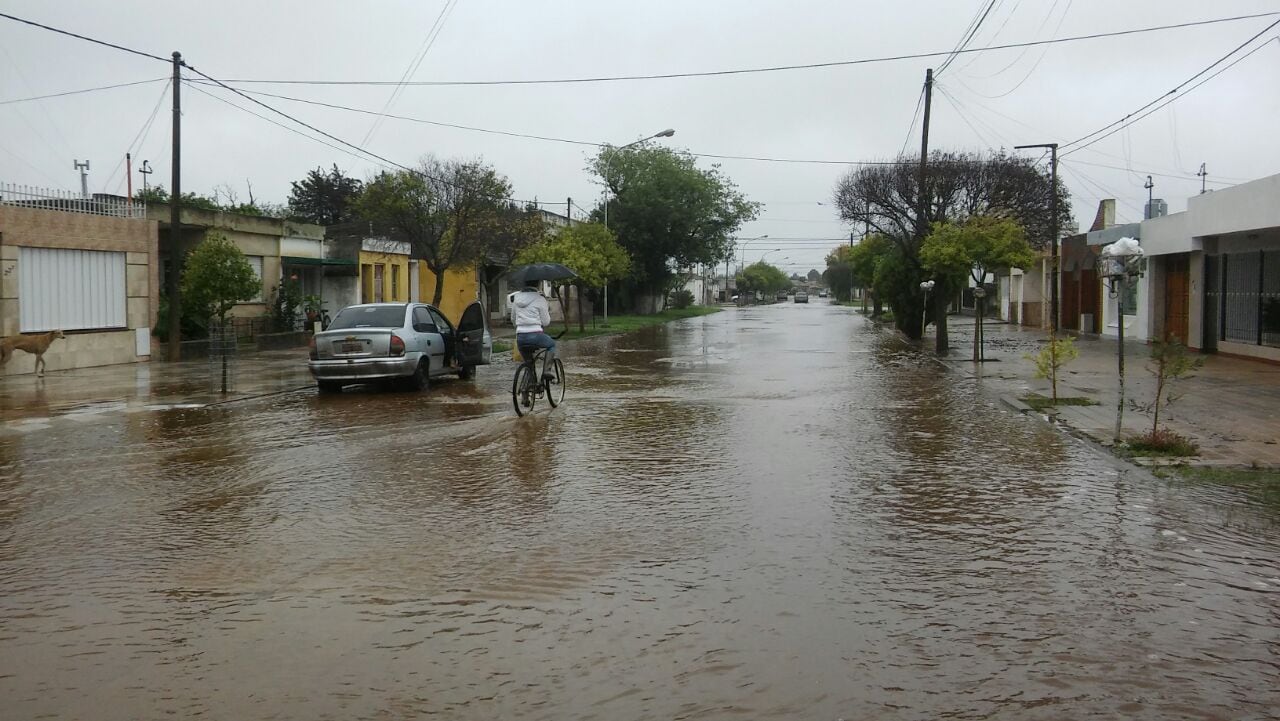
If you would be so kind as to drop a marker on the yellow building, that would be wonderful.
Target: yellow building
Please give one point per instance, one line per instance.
(384, 271)
(461, 289)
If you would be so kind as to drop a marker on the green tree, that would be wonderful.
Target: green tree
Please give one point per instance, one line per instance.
(589, 249)
(865, 259)
(668, 213)
(975, 248)
(216, 277)
(839, 273)
(324, 197)
(763, 277)
(958, 186)
(1169, 362)
(446, 210)
(1049, 361)
(158, 195)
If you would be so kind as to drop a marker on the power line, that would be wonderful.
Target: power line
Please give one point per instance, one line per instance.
(1152, 172)
(967, 39)
(84, 37)
(1125, 120)
(140, 138)
(412, 69)
(77, 92)
(766, 69)
(911, 129)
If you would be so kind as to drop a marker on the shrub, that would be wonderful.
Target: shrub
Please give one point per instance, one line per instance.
(681, 299)
(1163, 442)
(1049, 361)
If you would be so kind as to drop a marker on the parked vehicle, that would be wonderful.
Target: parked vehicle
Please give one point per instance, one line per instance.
(402, 343)
(782, 296)
(802, 296)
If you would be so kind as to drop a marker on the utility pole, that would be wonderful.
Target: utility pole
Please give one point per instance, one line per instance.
(128, 176)
(1204, 175)
(568, 211)
(922, 219)
(1053, 232)
(850, 270)
(84, 177)
(175, 223)
(145, 171)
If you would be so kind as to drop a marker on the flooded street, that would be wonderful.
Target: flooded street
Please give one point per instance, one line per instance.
(776, 512)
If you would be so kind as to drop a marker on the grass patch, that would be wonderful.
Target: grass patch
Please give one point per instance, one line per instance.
(1260, 483)
(1163, 443)
(627, 323)
(1040, 403)
(501, 346)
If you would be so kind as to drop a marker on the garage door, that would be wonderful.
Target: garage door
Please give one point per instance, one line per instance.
(62, 289)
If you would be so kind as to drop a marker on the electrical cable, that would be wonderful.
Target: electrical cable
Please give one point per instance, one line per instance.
(137, 139)
(78, 92)
(911, 129)
(947, 63)
(412, 68)
(765, 69)
(1173, 92)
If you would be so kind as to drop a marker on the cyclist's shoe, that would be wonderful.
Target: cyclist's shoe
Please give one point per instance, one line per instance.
(549, 378)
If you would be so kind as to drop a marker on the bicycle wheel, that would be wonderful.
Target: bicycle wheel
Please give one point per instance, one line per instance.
(555, 384)
(524, 389)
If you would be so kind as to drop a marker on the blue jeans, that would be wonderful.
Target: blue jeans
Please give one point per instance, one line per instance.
(532, 342)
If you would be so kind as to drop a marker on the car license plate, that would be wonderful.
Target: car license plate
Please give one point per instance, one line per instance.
(356, 347)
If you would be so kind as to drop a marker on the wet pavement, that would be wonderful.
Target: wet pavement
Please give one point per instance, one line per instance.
(776, 512)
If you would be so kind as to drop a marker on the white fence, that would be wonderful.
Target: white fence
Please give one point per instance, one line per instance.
(28, 196)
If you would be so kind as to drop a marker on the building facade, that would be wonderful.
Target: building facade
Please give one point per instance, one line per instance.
(84, 270)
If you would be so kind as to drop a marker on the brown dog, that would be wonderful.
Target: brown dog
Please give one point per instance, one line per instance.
(36, 344)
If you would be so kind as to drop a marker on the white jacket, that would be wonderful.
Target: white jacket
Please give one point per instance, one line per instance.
(529, 312)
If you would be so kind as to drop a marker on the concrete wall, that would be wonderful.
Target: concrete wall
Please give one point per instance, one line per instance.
(1168, 234)
(1240, 208)
(394, 266)
(137, 238)
(461, 289)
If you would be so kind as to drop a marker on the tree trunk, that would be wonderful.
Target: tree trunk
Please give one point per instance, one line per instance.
(582, 323)
(439, 291)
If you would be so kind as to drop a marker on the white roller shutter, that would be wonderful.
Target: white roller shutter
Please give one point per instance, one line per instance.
(60, 289)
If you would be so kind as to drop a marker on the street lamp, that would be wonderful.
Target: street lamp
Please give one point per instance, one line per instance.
(979, 352)
(926, 286)
(1120, 263)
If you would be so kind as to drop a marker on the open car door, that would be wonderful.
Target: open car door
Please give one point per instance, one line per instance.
(475, 345)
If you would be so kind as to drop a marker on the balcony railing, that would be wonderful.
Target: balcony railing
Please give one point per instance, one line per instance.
(27, 196)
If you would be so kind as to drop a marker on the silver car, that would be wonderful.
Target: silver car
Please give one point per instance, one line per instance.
(402, 343)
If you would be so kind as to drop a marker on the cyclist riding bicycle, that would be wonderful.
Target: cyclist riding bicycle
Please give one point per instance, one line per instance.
(530, 314)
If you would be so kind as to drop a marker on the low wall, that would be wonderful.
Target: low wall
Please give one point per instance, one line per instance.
(79, 350)
(280, 341)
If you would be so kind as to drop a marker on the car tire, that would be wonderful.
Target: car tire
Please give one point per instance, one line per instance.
(328, 386)
(420, 378)
(467, 372)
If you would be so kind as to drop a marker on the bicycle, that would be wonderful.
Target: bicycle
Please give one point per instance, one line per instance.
(528, 385)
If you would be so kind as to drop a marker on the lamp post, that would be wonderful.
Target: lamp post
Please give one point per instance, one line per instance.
(1120, 263)
(926, 286)
(660, 134)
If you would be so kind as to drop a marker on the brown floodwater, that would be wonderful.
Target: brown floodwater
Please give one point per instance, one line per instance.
(765, 513)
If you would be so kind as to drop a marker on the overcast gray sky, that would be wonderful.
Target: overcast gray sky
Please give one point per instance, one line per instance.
(994, 99)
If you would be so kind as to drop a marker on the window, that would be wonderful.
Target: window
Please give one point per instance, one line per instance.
(61, 289)
(376, 316)
(256, 262)
(421, 317)
(378, 274)
(440, 321)
(395, 282)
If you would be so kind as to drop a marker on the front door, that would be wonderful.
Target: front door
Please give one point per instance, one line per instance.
(1176, 301)
(473, 346)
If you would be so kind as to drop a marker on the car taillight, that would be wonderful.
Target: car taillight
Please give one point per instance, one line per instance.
(312, 346)
(397, 345)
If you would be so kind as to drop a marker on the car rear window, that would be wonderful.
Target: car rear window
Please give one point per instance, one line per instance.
(369, 316)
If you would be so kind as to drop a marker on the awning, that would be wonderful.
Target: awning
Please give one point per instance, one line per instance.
(297, 260)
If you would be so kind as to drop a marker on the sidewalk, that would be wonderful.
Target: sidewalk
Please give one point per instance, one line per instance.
(1229, 407)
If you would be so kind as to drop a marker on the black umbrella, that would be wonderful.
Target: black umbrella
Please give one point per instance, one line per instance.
(535, 272)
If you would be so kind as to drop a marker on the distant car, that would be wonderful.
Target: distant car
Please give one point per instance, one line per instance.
(822, 293)
(802, 296)
(782, 295)
(402, 343)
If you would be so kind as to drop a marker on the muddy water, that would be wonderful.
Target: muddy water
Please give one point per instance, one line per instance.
(773, 513)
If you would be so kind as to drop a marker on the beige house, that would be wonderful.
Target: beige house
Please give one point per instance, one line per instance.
(87, 267)
(271, 245)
